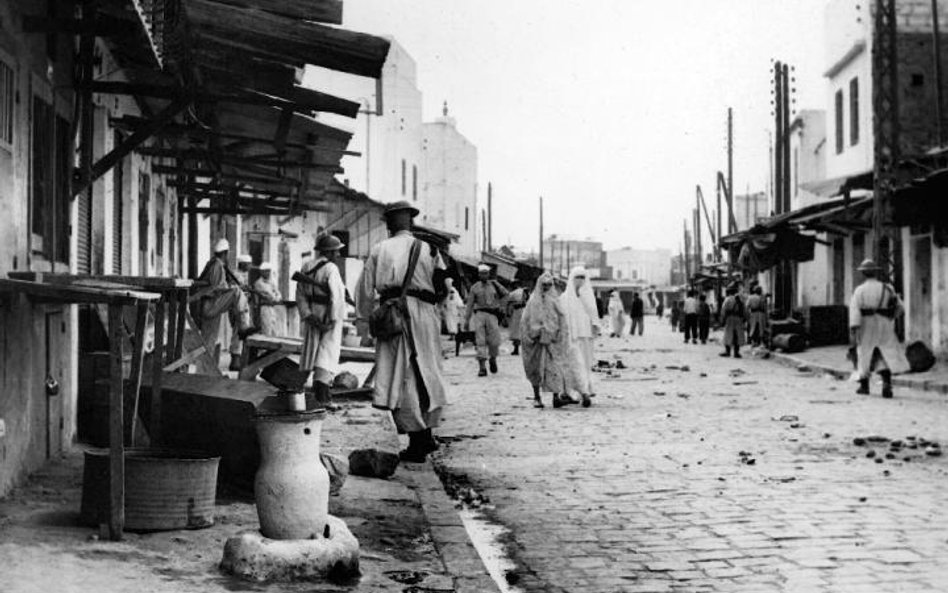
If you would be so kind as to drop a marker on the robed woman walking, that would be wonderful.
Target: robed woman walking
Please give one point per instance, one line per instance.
(579, 304)
(544, 338)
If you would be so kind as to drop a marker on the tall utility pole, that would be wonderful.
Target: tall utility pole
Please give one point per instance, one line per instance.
(730, 154)
(490, 217)
(541, 232)
(483, 230)
(939, 98)
(687, 252)
(778, 138)
(786, 137)
(885, 128)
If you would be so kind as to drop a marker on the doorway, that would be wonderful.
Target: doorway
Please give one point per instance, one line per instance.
(920, 297)
(55, 344)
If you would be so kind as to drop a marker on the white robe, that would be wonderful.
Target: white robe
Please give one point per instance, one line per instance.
(451, 308)
(321, 350)
(617, 315)
(396, 385)
(581, 316)
(270, 313)
(876, 331)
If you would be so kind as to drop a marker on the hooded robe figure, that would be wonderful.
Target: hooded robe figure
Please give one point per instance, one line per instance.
(544, 336)
(579, 304)
(451, 308)
(616, 314)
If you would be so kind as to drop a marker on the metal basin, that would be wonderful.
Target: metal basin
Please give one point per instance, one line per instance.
(164, 489)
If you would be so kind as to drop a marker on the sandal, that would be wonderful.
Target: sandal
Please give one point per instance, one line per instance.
(538, 404)
(558, 401)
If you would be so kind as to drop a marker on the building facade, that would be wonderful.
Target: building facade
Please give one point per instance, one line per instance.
(561, 254)
(650, 266)
(924, 264)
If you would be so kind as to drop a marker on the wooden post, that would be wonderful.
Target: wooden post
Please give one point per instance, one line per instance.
(171, 340)
(135, 376)
(157, 363)
(182, 320)
(116, 429)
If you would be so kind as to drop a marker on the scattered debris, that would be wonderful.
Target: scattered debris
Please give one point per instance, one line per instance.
(736, 372)
(746, 458)
(805, 368)
(659, 393)
(684, 395)
(788, 418)
(745, 383)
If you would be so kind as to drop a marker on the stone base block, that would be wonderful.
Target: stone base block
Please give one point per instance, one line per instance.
(251, 556)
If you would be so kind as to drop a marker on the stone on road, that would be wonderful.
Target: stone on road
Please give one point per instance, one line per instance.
(759, 486)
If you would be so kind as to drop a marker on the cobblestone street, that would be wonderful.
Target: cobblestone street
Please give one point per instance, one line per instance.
(692, 472)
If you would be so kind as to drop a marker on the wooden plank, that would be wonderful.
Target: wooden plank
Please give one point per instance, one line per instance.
(182, 319)
(186, 359)
(150, 283)
(75, 294)
(104, 164)
(210, 156)
(116, 428)
(135, 376)
(158, 356)
(320, 11)
(320, 45)
(171, 339)
(250, 372)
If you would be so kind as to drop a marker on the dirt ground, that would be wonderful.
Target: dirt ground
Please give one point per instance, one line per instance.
(44, 548)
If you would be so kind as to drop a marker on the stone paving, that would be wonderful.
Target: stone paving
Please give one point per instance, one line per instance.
(716, 475)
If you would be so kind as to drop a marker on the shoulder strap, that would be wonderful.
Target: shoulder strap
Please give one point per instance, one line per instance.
(412, 263)
(317, 268)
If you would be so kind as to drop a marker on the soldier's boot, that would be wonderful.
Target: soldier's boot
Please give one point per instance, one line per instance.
(516, 350)
(482, 367)
(493, 365)
(886, 383)
(323, 395)
(863, 387)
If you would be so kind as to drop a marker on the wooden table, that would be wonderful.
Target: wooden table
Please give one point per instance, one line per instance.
(115, 298)
(172, 305)
(261, 351)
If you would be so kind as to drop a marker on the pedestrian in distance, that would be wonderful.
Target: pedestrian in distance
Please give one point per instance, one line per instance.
(241, 279)
(484, 308)
(675, 316)
(872, 313)
(579, 303)
(269, 299)
(733, 317)
(757, 316)
(514, 303)
(660, 309)
(222, 293)
(704, 318)
(616, 314)
(407, 274)
(690, 312)
(321, 303)
(451, 308)
(637, 313)
(544, 336)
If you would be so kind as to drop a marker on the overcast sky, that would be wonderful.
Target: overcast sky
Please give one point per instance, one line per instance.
(612, 110)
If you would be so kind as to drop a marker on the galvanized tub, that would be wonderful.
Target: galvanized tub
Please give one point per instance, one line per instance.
(164, 489)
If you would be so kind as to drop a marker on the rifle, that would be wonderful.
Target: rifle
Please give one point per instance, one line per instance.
(307, 279)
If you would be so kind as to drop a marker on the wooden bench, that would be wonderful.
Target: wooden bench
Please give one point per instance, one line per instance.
(261, 351)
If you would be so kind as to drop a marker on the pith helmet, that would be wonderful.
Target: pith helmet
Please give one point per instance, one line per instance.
(329, 243)
(868, 265)
(221, 245)
(398, 206)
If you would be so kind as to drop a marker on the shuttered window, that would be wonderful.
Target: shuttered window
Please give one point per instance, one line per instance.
(50, 169)
(7, 94)
(144, 203)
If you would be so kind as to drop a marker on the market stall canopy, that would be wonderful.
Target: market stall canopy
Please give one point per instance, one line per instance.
(781, 237)
(216, 83)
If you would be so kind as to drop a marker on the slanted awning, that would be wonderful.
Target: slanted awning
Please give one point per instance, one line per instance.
(837, 186)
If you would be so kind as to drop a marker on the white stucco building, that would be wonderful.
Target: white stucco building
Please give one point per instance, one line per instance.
(449, 186)
(653, 266)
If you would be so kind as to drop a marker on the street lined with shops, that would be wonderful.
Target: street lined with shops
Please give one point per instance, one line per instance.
(692, 472)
